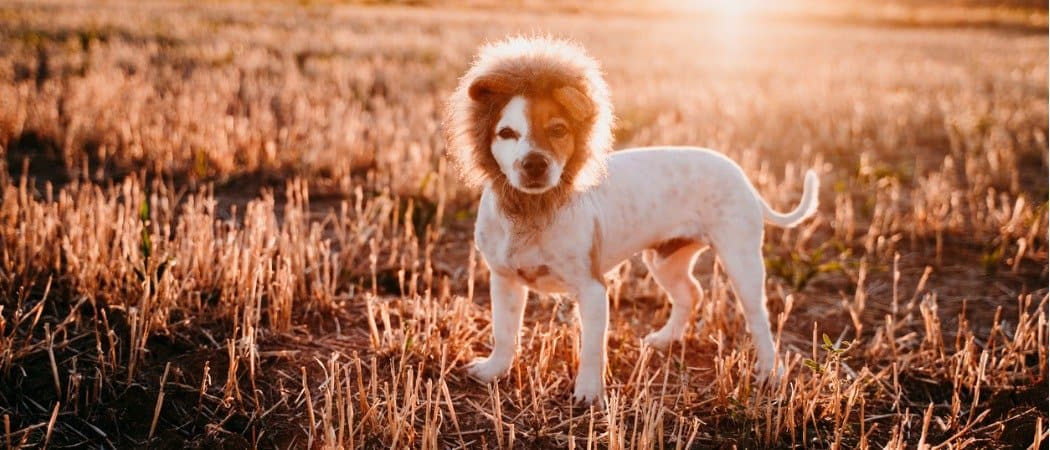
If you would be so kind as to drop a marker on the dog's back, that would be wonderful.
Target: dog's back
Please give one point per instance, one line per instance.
(653, 194)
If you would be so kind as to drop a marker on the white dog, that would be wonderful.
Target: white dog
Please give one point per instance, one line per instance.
(531, 122)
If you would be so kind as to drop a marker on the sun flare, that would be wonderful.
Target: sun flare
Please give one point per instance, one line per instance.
(724, 10)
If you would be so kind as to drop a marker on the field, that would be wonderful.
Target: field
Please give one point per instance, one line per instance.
(232, 225)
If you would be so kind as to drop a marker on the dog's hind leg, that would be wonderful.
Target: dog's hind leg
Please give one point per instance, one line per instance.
(742, 259)
(673, 271)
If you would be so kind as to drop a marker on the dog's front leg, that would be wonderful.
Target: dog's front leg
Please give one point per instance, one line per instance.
(594, 323)
(508, 306)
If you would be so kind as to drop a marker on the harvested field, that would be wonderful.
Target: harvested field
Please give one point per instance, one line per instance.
(232, 225)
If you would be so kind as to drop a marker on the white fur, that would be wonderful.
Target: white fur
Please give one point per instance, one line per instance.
(649, 196)
(509, 153)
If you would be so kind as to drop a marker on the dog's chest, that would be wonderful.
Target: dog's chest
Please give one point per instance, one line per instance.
(525, 261)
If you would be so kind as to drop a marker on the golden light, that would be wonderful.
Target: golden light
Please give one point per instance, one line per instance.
(733, 11)
(725, 10)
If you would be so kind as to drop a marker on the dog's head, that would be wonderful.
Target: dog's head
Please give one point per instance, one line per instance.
(532, 117)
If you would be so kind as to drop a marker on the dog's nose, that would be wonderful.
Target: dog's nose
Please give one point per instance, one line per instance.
(534, 165)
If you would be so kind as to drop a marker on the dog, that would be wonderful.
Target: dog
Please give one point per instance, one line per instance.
(531, 124)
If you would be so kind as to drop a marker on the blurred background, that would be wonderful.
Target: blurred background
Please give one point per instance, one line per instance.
(246, 91)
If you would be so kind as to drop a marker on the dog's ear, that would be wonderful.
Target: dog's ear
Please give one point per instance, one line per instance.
(580, 107)
(491, 84)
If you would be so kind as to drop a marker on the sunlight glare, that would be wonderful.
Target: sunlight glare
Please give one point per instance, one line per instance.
(728, 11)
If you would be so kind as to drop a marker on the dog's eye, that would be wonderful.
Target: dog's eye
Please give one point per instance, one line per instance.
(558, 131)
(507, 133)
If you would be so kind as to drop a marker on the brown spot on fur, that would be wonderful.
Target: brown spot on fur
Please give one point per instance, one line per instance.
(531, 275)
(670, 246)
(595, 253)
(545, 115)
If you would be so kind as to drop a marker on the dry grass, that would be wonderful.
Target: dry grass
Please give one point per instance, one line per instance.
(232, 225)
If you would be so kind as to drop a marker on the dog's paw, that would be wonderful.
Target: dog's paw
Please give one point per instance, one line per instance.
(589, 393)
(661, 339)
(486, 370)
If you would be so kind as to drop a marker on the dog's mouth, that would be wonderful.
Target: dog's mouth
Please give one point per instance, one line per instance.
(536, 173)
(534, 186)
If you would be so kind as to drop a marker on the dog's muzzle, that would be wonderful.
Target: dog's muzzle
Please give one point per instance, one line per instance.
(534, 170)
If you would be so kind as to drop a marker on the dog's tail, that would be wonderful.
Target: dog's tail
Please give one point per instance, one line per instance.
(805, 208)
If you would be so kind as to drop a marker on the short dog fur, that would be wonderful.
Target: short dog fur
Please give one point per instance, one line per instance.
(531, 123)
